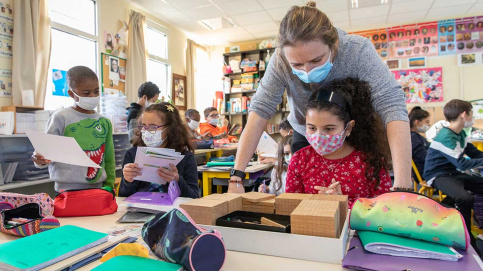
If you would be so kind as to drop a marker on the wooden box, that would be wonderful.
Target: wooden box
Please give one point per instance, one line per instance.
(266, 206)
(316, 218)
(287, 202)
(255, 197)
(343, 204)
(204, 211)
(19, 109)
(234, 201)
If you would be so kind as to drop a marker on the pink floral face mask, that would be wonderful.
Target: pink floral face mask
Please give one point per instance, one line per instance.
(326, 144)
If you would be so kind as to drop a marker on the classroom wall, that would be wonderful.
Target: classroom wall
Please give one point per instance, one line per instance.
(111, 11)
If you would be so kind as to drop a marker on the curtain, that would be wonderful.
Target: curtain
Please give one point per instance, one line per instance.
(191, 69)
(31, 49)
(136, 56)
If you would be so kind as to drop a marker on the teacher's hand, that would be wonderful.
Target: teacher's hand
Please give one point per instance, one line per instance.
(236, 185)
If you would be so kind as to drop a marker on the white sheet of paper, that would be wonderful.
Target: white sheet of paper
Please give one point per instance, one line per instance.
(150, 159)
(60, 149)
(267, 147)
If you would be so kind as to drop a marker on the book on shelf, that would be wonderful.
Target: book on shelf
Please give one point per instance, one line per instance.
(273, 128)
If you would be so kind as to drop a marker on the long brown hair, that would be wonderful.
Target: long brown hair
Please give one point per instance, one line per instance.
(281, 166)
(368, 135)
(307, 23)
(177, 137)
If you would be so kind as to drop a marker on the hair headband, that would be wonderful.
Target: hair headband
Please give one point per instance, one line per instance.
(332, 97)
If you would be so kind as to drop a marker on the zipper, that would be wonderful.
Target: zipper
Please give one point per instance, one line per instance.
(19, 225)
(75, 190)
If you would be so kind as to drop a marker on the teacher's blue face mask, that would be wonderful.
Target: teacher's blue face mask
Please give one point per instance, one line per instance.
(317, 74)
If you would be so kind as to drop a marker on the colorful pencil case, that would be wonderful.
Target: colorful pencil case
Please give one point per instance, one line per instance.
(36, 222)
(412, 216)
(176, 238)
(85, 202)
(42, 199)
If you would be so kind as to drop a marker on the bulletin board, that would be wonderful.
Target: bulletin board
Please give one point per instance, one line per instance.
(113, 73)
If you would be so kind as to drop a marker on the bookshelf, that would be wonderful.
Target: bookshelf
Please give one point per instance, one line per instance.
(243, 85)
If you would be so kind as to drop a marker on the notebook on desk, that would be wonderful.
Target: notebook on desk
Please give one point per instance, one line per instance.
(357, 258)
(49, 247)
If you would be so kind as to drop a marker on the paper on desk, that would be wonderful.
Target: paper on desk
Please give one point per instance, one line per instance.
(150, 159)
(49, 145)
(267, 147)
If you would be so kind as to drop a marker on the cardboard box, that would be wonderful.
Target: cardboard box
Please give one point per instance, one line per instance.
(294, 246)
(265, 207)
(287, 202)
(234, 201)
(316, 218)
(204, 211)
(343, 204)
(255, 197)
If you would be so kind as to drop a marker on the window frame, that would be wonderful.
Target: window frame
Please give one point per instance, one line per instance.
(163, 30)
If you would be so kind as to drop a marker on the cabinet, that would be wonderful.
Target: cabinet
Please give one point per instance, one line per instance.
(243, 85)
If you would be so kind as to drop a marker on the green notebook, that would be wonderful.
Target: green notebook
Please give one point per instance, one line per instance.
(46, 248)
(127, 263)
(381, 243)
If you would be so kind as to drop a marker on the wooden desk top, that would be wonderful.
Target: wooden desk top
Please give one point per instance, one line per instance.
(234, 260)
(255, 167)
(203, 151)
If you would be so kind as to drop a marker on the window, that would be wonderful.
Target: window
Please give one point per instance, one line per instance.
(74, 42)
(157, 65)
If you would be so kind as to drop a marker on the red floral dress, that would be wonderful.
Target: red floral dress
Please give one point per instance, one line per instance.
(308, 169)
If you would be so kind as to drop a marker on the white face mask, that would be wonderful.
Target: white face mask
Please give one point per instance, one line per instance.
(153, 140)
(87, 103)
(193, 124)
(214, 122)
(423, 129)
(287, 158)
(469, 124)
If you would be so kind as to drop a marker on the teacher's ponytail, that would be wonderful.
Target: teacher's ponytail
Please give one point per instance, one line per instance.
(305, 24)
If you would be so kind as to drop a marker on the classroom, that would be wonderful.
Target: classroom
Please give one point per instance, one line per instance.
(241, 135)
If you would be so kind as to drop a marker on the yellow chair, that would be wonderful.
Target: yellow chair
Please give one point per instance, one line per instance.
(426, 189)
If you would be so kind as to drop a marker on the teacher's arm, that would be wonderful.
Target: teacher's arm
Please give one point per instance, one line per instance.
(389, 102)
(262, 108)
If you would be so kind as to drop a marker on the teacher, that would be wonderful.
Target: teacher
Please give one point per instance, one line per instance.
(312, 53)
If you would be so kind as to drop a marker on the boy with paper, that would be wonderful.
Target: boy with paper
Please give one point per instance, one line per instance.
(91, 130)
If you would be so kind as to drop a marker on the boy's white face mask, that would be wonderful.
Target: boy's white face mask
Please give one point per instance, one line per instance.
(87, 103)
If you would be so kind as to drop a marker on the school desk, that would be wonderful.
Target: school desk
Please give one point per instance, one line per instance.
(477, 142)
(216, 152)
(254, 171)
(234, 260)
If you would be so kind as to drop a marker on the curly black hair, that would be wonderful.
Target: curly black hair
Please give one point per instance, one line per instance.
(368, 135)
(149, 89)
(177, 136)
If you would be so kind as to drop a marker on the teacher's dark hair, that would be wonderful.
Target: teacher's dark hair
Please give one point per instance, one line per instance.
(368, 135)
(305, 24)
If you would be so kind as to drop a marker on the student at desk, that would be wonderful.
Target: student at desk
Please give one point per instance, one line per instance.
(162, 127)
(348, 152)
(212, 118)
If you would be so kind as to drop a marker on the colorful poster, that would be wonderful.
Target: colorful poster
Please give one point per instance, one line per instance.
(421, 85)
(59, 86)
(6, 39)
(446, 35)
(378, 39)
(413, 40)
(469, 34)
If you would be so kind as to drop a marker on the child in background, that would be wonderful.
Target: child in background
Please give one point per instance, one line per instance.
(193, 123)
(211, 125)
(90, 129)
(279, 173)
(148, 94)
(161, 127)
(446, 156)
(348, 152)
(419, 123)
(285, 128)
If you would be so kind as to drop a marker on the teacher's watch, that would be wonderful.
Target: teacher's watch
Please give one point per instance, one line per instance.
(238, 173)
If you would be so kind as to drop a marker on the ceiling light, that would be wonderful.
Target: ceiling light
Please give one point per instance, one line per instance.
(384, 2)
(217, 23)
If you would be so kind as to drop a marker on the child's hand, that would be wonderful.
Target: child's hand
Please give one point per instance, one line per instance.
(131, 171)
(266, 160)
(234, 140)
(224, 122)
(263, 189)
(169, 174)
(39, 159)
(333, 189)
(206, 135)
